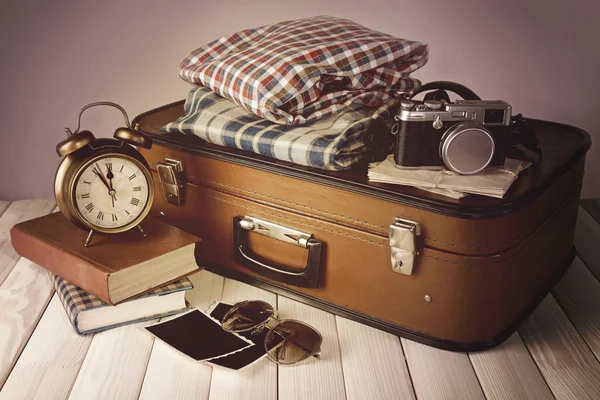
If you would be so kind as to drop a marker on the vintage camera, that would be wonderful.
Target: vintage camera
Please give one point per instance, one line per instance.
(464, 136)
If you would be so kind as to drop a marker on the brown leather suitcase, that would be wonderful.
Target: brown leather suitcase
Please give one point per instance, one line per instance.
(454, 274)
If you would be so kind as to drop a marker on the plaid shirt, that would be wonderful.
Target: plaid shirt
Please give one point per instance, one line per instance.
(296, 72)
(334, 143)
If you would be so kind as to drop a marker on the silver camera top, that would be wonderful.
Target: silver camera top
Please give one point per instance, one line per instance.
(484, 112)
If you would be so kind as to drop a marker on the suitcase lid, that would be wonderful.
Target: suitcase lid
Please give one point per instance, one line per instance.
(562, 147)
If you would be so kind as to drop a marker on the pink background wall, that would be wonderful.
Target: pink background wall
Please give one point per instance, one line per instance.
(540, 56)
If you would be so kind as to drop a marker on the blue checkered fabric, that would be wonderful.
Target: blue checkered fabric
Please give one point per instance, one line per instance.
(75, 300)
(334, 143)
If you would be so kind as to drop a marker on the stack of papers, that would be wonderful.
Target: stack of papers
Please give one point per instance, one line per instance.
(493, 181)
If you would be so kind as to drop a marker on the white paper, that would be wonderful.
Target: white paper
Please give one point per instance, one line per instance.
(493, 181)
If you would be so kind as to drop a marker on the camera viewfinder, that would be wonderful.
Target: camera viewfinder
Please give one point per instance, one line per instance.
(493, 116)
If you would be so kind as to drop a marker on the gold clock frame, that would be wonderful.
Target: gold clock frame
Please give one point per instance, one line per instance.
(73, 165)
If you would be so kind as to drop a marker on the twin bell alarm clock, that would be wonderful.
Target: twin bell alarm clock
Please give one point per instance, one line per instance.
(104, 184)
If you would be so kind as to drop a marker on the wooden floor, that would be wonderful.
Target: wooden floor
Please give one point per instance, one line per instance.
(554, 354)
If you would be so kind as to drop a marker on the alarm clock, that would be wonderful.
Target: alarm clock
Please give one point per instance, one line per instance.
(104, 184)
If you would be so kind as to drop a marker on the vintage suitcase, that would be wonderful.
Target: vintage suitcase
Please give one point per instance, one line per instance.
(454, 274)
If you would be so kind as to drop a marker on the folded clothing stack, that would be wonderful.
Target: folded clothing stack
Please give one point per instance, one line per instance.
(297, 73)
(334, 143)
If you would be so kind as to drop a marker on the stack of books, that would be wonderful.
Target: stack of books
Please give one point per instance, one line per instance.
(120, 279)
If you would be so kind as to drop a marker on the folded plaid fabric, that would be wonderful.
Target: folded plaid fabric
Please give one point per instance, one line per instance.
(296, 72)
(335, 143)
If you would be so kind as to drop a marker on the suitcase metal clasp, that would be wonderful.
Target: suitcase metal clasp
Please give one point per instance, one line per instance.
(275, 231)
(403, 245)
(167, 175)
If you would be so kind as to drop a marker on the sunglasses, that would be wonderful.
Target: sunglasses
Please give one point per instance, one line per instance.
(287, 341)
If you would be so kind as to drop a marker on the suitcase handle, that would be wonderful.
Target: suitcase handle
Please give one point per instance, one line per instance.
(308, 277)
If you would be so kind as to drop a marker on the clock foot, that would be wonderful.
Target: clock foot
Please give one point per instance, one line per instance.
(141, 230)
(89, 238)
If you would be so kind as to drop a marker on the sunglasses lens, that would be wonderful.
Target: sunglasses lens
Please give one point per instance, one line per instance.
(292, 341)
(247, 315)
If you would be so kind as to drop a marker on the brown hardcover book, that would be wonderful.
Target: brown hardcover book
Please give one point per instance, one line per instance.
(115, 267)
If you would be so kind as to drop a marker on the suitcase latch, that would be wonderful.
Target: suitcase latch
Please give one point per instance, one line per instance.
(403, 245)
(167, 175)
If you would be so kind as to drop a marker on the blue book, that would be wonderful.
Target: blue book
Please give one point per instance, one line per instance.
(89, 314)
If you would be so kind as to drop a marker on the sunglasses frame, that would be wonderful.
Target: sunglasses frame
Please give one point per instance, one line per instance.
(271, 323)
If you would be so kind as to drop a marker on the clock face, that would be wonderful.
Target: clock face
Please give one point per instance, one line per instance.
(111, 192)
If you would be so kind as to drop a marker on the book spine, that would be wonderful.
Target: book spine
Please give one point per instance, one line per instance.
(69, 267)
(67, 302)
(135, 321)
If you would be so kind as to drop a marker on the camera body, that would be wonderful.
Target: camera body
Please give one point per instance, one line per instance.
(464, 136)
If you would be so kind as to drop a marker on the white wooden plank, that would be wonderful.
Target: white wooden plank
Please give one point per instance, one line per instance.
(314, 378)
(171, 374)
(565, 361)
(578, 293)
(208, 289)
(115, 364)
(178, 377)
(257, 381)
(23, 210)
(373, 363)
(509, 372)
(18, 211)
(587, 240)
(24, 296)
(440, 374)
(50, 361)
(25, 292)
(3, 206)
(128, 346)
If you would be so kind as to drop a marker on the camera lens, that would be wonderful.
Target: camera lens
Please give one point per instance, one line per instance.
(467, 148)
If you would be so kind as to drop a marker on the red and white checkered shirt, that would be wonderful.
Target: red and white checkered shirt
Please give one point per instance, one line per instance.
(296, 72)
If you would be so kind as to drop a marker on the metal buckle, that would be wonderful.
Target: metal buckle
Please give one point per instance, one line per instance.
(403, 245)
(275, 231)
(167, 175)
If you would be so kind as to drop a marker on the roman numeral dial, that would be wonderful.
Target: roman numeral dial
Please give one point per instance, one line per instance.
(112, 192)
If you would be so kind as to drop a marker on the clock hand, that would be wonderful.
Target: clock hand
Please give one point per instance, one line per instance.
(101, 178)
(100, 174)
(110, 176)
(109, 173)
